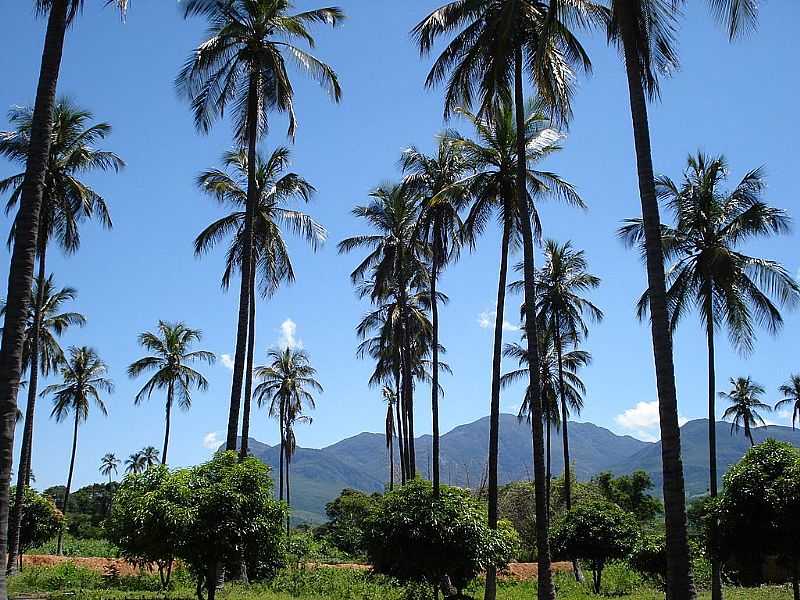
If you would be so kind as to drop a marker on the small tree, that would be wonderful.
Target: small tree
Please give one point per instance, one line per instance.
(41, 520)
(630, 493)
(758, 510)
(347, 516)
(415, 536)
(150, 513)
(598, 532)
(233, 515)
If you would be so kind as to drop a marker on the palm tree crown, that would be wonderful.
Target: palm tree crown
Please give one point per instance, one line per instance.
(83, 379)
(136, 463)
(791, 397)
(249, 42)
(108, 465)
(745, 400)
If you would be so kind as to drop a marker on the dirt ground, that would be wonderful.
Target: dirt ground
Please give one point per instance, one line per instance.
(521, 571)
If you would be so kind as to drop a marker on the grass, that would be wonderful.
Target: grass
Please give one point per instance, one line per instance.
(68, 582)
(72, 546)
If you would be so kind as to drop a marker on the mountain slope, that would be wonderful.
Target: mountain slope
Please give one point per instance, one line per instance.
(360, 462)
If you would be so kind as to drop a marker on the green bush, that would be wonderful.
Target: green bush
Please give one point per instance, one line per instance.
(41, 520)
(413, 536)
(66, 576)
(97, 548)
(598, 532)
(347, 515)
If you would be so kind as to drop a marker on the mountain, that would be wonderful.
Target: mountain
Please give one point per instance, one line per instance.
(360, 462)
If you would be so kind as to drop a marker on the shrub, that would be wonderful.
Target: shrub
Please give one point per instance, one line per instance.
(415, 537)
(41, 520)
(347, 515)
(597, 532)
(649, 557)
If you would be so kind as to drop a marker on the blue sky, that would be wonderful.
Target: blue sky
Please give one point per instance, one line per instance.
(739, 100)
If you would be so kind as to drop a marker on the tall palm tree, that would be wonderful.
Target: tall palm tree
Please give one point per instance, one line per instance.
(287, 386)
(66, 201)
(745, 400)
(150, 456)
(710, 273)
(170, 359)
(243, 62)
(60, 14)
(275, 192)
(136, 463)
(395, 266)
(83, 380)
(390, 397)
(108, 465)
(644, 32)
(290, 447)
(437, 179)
(492, 187)
(791, 397)
(563, 310)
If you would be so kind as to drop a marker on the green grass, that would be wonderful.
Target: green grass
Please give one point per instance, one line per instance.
(72, 546)
(67, 582)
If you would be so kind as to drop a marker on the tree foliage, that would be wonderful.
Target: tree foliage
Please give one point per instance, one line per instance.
(348, 514)
(630, 493)
(414, 536)
(41, 520)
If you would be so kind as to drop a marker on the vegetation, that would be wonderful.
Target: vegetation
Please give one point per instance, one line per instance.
(41, 520)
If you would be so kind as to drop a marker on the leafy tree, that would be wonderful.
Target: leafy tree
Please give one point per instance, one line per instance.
(516, 503)
(630, 493)
(758, 510)
(232, 514)
(791, 397)
(108, 465)
(170, 359)
(437, 179)
(60, 14)
(83, 379)
(596, 532)
(347, 515)
(41, 520)
(243, 62)
(276, 192)
(151, 512)
(286, 386)
(745, 404)
(66, 202)
(449, 538)
(649, 556)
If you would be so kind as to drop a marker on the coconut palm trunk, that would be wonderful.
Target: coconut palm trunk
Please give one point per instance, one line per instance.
(248, 376)
(549, 474)
(408, 387)
(546, 591)
(401, 446)
(167, 420)
(288, 499)
(494, 406)
(435, 373)
(23, 469)
(60, 543)
(282, 427)
(23, 257)
(680, 584)
(247, 266)
(716, 575)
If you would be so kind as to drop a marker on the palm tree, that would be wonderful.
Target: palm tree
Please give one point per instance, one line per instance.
(83, 380)
(66, 201)
(244, 63)
(436, 179)
(791, 397)
(395, 267)
(745, 404)
(287, 383)
(390, 397)
(60, 14)
(492, 188)
(644, 32)
(150, 456)
(170, 359)
(710, 273)
(276, 191)
(108, 465)
(136, 463)
(562, 309)
(290, 447)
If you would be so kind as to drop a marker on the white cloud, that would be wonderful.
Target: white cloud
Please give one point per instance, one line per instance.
(211, 440)
(227, 361)
(288, 338)
(781, 417)
(486, 320)
(642, 421)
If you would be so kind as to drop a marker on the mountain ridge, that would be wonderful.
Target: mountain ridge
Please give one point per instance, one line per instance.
(361, 462)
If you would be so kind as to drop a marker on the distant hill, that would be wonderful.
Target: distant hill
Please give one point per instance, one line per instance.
(360, 462)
